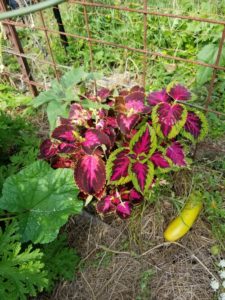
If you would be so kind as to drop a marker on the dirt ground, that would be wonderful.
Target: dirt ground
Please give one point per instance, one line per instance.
(126, 263)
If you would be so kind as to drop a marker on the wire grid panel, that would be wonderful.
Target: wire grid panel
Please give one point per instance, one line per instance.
(92, 35)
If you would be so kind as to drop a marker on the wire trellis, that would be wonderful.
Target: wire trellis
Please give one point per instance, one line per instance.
(16, 48)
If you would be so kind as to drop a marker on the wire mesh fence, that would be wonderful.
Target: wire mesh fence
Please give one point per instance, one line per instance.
(113, 36)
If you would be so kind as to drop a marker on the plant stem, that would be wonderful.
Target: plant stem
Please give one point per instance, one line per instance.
(8, 218)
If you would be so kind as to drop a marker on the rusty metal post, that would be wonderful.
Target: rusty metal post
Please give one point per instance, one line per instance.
(145, 43)
(49, 45)
(217, 62)
(89, 44)
(12, 35)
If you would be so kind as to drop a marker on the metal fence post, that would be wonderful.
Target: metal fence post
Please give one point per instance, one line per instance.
(12, 35)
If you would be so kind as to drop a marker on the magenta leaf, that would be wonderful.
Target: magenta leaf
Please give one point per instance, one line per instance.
(135, 197)
(64, 133)
(196, 126)
(179, 92)
(95, 138)
(117, 167)
(159, 160)
(78, 114)
(48, 149)
(124, 209)
(103, 93)
(61, 162)
(66, 148)
(105, 205)
(142, 175)
(176, 153)
(157, 97)
(90, 174)
(144, 142)
(126, 123)
(134, 102)
(168, 119)
(110, 132)
(137, 88)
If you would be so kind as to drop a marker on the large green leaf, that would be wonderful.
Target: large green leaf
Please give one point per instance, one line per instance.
(208, 55)
(60, 91)
(55, 110)
(42, 198)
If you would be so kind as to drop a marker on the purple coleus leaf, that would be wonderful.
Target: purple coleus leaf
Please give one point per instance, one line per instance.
(142, 175)
(168, 119)
(105, 205)
(95, 138)
(48, 149)
(117, 167)
(78, 115)
(103, 93)
(61, 162)
(135, 102)
(159, 160)
(143, 143)
(179, 92)
(135, 197)
(176, 153)
(124, 209)
(126, 123)
(64, 133)
(89, 174)
(137, 88)
(67, 148)
(196, 126)
(157, 97)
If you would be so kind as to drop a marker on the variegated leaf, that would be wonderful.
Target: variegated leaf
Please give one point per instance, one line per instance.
(196, 126)
(142, 175)
(144, 142)
(157, 97)
(168, 119)
(89, 174)
(117, 167)
(179, 92)
(124, 209)
(176, 153)
(95, 138)
(64, 133)
(126, 123)
(48, 149)
(159, 160)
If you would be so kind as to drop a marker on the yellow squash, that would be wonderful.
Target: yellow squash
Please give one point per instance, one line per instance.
(181, 225)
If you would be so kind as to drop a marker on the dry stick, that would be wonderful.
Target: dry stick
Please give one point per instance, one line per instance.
(162, 245)
(88, 284)
(118, 278)
(107, 283)
(184, 247)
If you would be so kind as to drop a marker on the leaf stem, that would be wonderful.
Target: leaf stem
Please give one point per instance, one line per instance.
(7, 218)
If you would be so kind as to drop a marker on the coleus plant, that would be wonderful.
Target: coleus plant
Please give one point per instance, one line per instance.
(119, 154)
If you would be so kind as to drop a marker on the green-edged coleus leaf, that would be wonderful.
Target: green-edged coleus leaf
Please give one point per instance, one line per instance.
(168, 119)
(90, 174)
(142, 175)
(161, 162)
(42, 199)
(143, 143)
(196, 126)
(117, 167)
